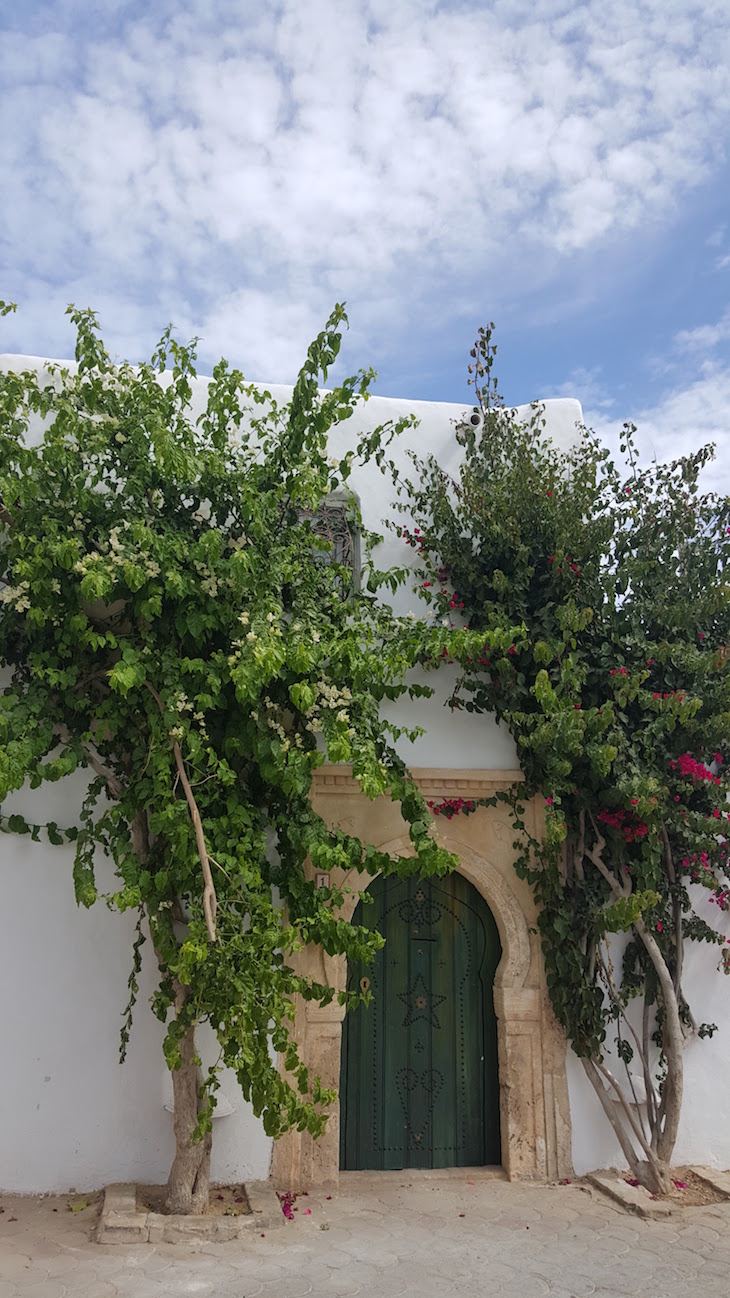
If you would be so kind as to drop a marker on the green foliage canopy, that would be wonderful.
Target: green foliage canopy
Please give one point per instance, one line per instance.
(615, 686)
(168, 628)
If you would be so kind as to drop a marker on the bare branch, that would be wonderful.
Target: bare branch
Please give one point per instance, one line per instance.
(140, 836)
(581, 847)
(594, 1078)
(673, 1042)
(210, 901)
(95, 760)
(676, 911)
(641, 1047)
(651, 1099)
(595, 854)
(638, 1133)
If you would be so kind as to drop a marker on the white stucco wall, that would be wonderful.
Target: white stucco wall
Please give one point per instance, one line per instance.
(70, 1114)
(704, 1133)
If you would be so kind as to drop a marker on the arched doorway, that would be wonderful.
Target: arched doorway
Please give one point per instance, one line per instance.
(419, 1082)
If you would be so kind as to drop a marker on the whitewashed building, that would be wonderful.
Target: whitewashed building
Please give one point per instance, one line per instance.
(72, 1116)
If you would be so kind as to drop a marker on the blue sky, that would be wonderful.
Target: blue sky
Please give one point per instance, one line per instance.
(237, 168)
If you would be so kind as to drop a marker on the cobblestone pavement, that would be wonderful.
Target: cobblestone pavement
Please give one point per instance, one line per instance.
(387, 1237)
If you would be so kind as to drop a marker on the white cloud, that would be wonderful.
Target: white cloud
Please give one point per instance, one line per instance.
(705, 337)
(684, 419)
(243, 167)
(588, 387)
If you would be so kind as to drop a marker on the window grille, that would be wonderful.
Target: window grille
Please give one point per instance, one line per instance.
(336, 522)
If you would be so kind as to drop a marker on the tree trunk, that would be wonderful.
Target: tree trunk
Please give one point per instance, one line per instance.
(673, 1043)
(650, 1171)
(189, 1180)
(650, 1161)
(188, 1184)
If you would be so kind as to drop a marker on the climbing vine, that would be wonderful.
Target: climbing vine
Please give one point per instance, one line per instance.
(175, 624)
(607, 581)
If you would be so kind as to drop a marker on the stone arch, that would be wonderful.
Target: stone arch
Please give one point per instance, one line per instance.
(514, 967)
(534, 1108)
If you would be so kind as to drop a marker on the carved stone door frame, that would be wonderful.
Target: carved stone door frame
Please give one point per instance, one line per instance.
(534, 1106)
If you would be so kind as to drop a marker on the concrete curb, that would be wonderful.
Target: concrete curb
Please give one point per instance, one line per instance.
(120, 1223)
(634, 1198)
(711, 1176)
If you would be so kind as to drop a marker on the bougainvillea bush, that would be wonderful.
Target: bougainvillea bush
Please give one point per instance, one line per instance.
(174, 623)
(610, 578)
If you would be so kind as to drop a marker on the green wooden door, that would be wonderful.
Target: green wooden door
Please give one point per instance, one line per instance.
(419, 1084)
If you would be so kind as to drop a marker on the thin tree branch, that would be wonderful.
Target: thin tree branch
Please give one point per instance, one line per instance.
(95, 760)
(580, 849)
(676, 911)
(636, 1129)
(640, 1047)
(607, 1105)
(595, 854)
(673, 1042)
(210, 901)
(651, 1102)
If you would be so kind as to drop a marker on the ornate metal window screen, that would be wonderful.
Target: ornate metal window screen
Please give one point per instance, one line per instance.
(335, 522)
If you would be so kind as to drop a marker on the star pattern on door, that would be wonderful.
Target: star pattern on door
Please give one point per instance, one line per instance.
(420, 1003)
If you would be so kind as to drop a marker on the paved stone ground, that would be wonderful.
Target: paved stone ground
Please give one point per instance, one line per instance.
(387, 1237)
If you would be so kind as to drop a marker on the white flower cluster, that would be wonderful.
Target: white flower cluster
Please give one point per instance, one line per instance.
(17, 595)
(182, 704)
(118, 554)
(274, 720)
(333, 698)
(331, 695)
(209, 580)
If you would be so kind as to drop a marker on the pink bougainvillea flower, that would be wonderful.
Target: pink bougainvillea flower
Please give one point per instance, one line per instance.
(631, 1180)
(681, 1185)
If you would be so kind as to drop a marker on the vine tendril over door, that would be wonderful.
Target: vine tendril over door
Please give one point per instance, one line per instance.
(419, 1084)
